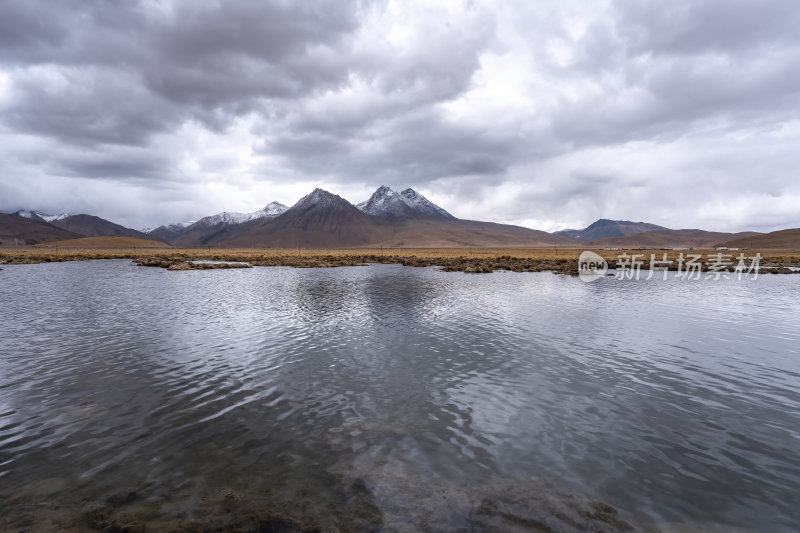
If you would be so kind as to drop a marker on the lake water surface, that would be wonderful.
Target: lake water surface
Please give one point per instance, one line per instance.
(395, 397)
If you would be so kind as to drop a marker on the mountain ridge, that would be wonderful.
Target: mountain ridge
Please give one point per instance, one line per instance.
(16, 230)
(388, 218)
(670, 238)
(94, 226)
(387, 202)
(604, 227)
(405, 219)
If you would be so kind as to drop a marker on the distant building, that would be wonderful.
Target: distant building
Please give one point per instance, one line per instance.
(726, 248)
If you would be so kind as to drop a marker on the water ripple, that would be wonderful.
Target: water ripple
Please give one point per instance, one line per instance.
(675, 401)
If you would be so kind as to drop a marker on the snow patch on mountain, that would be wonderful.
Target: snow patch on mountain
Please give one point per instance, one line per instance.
(386, 201)
(38, 215)
(319, 198)
(271, 210)
(174, 227)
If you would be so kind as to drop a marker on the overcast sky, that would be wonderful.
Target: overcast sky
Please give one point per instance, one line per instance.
(547, 114)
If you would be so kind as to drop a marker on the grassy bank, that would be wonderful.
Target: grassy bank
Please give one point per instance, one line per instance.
(477, 260)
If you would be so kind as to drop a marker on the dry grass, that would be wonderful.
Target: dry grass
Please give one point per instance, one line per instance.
(461, 259)
(104, 243)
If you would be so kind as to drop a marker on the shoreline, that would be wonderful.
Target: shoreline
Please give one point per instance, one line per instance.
(468, 260)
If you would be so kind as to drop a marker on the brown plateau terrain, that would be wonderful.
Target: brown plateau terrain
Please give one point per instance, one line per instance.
(470, 260)
(787, 239)
(92, 226)
(16, 231)
(111, 243)
(680, 238)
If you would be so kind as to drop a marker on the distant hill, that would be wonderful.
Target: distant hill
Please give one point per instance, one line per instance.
(106, 242)
(92, 226)
(609, 228)
(787, 239)
(168, 232)
(16, 230)
(679, 238)
(421, 233)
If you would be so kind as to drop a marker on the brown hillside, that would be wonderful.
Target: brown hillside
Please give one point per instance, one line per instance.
(459, 233)
(92, 226)
(27, 231)
(680, 238)
(325, 220)
(106, 242)
(787, 239)
(321, 219)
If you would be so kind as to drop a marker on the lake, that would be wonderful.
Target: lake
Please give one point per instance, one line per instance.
(396, 398)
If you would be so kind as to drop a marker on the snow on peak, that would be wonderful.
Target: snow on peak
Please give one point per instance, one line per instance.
(271, 210)
(38, 215)
(386, 201)
(176, 227)
(320, 198)
(274, 209)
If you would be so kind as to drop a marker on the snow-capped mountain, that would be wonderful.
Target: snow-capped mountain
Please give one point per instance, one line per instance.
(170, 232)
(38, 215)
(318, 219)
(176, 226)
(272, 210)
(387, 202)
(318, 198)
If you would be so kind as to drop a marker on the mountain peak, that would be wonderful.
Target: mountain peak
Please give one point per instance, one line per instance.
(274, 209)
(385, 201)
(605, 227)
(38, 215)
(271, 210)
(319, 198)
(170, 232)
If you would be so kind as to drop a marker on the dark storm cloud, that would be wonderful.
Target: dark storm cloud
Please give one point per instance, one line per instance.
(120, 72)
(389, 127)
(418, 148)
(129, 167)
(654, 74)
(104, 90)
